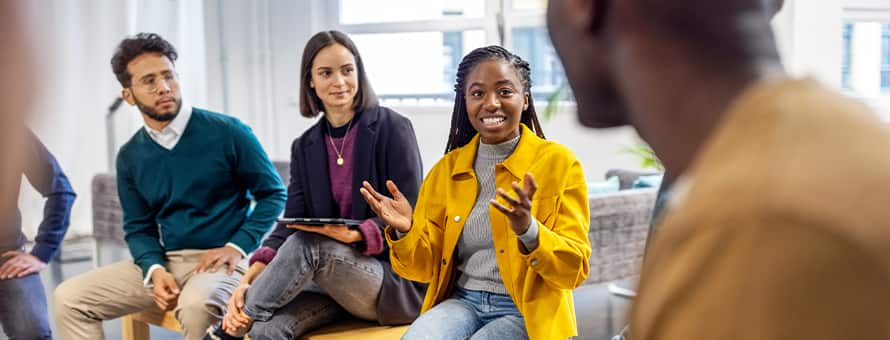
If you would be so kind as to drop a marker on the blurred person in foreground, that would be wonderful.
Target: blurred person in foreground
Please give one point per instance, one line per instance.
(776, 225)
(23, 312)
(15, 64)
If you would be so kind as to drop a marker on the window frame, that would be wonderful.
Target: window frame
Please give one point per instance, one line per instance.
(497, 23)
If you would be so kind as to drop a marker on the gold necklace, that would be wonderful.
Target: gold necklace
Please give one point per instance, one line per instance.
(342, 144)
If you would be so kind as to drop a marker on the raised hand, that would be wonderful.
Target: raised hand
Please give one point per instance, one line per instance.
(520, 210)
(395, 211)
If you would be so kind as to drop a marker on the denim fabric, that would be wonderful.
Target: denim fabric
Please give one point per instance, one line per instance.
(470, 314)
(23, 313)
(282, 300)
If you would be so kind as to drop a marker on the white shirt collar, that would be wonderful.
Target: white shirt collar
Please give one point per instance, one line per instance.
(169, 136)
(178, 124)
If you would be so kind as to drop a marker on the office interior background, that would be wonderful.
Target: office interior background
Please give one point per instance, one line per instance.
(242, 58)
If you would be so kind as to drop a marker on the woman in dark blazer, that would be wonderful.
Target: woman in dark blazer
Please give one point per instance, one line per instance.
(307, 276)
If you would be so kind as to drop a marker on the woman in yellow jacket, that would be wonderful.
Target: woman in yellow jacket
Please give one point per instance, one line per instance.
(499, 265)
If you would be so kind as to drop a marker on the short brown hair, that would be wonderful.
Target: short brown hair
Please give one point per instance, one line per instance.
(310, 103)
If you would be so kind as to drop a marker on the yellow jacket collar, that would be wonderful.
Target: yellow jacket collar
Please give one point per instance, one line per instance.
(517, 164)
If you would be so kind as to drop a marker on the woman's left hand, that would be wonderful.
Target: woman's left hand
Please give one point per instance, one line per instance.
(520, 212)
(338, 232)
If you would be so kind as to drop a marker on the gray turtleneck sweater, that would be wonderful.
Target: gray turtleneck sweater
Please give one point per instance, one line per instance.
(477, 264)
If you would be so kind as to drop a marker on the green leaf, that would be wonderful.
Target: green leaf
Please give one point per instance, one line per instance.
(647, 157)
(561, 94)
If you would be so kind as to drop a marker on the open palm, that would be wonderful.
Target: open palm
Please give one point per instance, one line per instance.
(395, 211)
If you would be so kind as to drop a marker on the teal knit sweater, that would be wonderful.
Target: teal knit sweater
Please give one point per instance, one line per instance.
(197, 195)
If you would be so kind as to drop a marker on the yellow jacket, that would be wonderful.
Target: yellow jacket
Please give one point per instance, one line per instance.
(540, 282)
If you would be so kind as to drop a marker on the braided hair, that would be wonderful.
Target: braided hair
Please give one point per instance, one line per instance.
(461, 129)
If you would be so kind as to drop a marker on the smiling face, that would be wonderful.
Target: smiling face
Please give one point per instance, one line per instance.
(155, 87)
(495, 100)
(334, 77)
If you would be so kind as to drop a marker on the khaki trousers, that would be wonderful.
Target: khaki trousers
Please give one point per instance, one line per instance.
(80, 304)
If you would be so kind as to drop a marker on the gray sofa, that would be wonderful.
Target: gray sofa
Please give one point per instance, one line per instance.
(619, 224)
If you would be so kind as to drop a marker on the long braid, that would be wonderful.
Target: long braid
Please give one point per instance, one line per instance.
(461, 130)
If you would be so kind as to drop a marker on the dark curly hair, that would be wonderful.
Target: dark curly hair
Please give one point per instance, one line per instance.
(461, 129)
(132, 47)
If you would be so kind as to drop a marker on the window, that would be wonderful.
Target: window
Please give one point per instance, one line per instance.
(412, 48)
(845, 56)
(415, 65)
(865, 59)
(363, 11)
(529, 39)
(885, 60)
(865, 67)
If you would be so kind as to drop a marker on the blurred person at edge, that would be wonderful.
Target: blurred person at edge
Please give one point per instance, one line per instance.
(759, 238)
(23, 310)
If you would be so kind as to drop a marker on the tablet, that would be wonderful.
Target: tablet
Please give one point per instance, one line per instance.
(319, 221)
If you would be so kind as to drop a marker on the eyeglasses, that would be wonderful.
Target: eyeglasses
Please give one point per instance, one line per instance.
(153, 84)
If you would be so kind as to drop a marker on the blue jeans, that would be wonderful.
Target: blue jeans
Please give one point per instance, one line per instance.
(312, 281)
(23, 308)
(470, 314)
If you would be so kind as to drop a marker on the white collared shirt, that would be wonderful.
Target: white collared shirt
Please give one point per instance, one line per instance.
(169, 136)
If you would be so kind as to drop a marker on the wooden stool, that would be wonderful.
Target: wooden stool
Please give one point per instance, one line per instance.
(135, 326)
(356, 329)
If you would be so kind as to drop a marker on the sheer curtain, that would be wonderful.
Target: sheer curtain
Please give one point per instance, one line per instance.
(253, 57)
(73, 42)
(236, 57)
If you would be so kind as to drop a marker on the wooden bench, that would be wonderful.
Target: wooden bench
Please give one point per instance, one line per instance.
(135, 327)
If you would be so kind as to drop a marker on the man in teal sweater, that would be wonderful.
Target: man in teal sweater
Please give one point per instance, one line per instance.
(185, 182)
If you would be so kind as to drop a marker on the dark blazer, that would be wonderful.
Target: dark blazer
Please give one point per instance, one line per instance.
(385, 149)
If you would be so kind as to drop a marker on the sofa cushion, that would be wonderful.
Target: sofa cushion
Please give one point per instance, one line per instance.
(612, 184)
(648, 181)
(627, 176)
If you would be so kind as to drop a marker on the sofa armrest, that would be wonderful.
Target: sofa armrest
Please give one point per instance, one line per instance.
(619, 226)
(107, 214)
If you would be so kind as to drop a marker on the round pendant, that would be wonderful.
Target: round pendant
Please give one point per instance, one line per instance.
(339, 160)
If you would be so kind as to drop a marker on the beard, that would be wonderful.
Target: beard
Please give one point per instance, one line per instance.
(158, 116)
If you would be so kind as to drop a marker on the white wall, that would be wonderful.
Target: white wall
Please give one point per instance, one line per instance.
(808, 33)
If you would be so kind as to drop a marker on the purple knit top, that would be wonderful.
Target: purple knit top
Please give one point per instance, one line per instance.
(341, 188)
